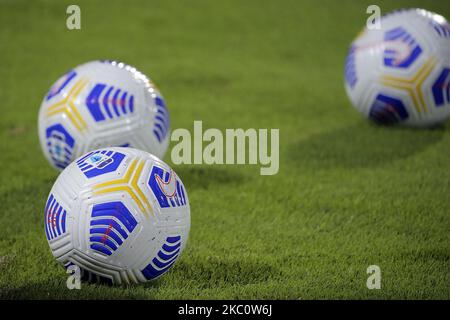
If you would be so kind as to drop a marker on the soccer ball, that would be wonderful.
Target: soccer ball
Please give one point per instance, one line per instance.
(401, 72)
(120, 215)
(102, 104)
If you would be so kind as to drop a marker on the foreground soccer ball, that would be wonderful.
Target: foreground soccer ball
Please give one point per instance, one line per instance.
(102, 104)
(401, 72)
(120, 214)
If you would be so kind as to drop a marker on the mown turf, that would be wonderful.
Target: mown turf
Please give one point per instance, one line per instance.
(348, 194)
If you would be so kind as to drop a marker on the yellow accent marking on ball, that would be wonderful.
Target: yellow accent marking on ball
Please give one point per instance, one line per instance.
(123, 184)
(67, 106)
(414, 85)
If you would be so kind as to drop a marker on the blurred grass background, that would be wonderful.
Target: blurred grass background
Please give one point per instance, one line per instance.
(348, 194)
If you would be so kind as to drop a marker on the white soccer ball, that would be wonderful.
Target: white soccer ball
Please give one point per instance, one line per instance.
(119, 214)
(102, 104)
(400, 73)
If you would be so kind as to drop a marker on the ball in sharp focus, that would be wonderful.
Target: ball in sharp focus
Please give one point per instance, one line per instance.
(400, 73)
(119, 214)
(102, 104)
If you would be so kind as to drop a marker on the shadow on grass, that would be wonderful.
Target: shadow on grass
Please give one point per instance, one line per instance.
(52, 290)
(56, 288)
(207, 273)
(214, 272)
(204, 177)
(362, 145)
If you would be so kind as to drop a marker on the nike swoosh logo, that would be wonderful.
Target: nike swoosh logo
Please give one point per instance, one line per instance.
(170, 187)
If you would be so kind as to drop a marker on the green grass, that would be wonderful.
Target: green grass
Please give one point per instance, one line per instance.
(348, 194)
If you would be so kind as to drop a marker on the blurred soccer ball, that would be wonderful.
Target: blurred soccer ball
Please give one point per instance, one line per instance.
(120, 214)
(401, 72)
(102, 104)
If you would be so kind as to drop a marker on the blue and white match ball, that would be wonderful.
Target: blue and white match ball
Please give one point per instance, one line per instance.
(121, 215)
(102, 104)
(400, 73)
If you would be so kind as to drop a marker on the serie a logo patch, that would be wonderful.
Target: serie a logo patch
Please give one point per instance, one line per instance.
(100, 162)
